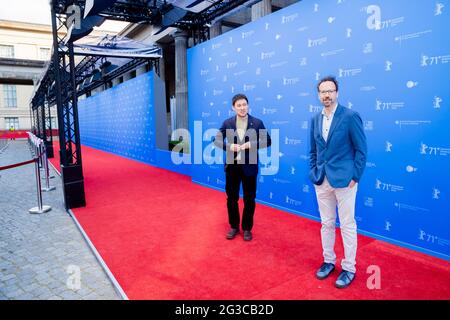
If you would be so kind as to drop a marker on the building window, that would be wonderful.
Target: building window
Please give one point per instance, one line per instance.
(10, 95)
(6, 51)
(12, 122)
(44, 53)
(53, 122)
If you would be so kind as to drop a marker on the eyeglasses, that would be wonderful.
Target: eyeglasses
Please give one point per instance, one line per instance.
(326, 91)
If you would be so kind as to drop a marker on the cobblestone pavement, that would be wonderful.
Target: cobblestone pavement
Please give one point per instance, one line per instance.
(42, 256)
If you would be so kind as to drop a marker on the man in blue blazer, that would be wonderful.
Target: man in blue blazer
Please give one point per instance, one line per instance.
(337, 161)
(241, 136)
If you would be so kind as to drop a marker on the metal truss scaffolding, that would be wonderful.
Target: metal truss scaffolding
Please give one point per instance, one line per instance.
(64, 81)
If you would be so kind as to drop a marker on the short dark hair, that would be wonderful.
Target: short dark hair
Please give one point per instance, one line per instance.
(237, 97)
(328, 78)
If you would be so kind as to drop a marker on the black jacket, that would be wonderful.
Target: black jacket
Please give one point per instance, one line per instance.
(256, 134)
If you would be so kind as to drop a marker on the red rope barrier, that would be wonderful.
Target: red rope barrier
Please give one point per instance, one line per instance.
(17, 164)
(20, 163)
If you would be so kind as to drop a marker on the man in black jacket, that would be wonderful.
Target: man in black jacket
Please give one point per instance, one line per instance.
(241, 136)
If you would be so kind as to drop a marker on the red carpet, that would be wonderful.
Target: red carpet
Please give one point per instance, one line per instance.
(16, 134)
(163, 237)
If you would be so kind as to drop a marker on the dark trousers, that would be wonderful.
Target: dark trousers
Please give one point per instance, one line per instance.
(234, 177)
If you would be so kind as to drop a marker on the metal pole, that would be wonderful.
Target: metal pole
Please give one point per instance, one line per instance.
(57, 67)
(46, 169)
(35, 150)
(40, 208)
(39, 150)
(46, 166)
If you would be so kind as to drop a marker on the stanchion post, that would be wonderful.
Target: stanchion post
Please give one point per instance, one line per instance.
(40, 208)
(39, 149)
(46, 170)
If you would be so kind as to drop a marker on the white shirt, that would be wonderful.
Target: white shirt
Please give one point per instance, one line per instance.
(326, 122)
(241, 128)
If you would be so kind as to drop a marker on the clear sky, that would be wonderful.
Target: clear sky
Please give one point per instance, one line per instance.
(35, 11)
(38, 11)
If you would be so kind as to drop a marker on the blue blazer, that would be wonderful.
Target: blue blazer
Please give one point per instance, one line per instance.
(343, 157)
(259, 140)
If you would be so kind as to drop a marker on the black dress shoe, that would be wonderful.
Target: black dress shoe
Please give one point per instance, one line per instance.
(247, 235)
(232, 233)
(344, 279)
(324, 270)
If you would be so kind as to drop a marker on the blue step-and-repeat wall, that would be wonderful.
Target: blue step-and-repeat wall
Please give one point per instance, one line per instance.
(130, 120)
(392, 61)
(120, 120)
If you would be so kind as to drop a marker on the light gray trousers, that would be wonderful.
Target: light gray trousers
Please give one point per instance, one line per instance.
(328, 198)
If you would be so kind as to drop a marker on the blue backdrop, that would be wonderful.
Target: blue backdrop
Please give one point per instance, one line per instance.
(120, 120)
(392, 62)
(126, 120)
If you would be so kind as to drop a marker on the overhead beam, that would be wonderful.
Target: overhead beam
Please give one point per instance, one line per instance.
(231, 24)
(22, 63)
(276, 8)
(16, 81)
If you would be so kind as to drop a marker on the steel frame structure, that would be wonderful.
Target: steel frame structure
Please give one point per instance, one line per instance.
(62, 77)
